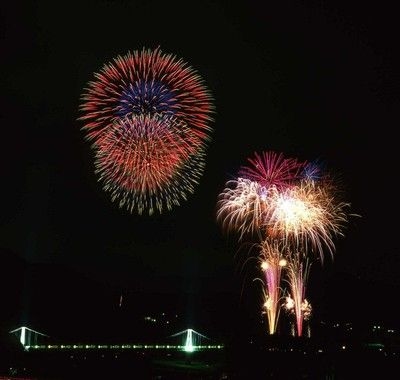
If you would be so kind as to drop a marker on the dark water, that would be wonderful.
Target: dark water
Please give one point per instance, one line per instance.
(239, 363)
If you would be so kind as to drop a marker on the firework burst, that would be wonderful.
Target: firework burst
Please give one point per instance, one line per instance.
(308, 215)
(146, 82)
(240, 206)
(147, 115)
(246, 205)
(295, 209)
(146, 161)
(272, 169)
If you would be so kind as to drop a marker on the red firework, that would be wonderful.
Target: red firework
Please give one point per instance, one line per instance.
(148, 162)
(142, 154)
(146, 82)
(147, 115)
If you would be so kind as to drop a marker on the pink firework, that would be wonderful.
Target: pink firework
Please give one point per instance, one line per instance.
(272, 263)
(273, 169)
(298, 269)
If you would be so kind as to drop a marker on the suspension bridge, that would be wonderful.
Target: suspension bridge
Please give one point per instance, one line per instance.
(187, 340)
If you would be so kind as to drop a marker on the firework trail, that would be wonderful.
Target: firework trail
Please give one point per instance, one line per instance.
(298, 269)
(147, 115)
(272, 263)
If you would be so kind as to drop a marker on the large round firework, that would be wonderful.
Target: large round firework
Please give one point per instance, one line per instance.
(147, 115)
(148, 162)
(146, 82)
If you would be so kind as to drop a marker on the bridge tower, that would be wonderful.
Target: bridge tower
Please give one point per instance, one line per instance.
(191, 339)
(27, 336)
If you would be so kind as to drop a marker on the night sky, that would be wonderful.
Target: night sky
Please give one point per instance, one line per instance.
(313, 80)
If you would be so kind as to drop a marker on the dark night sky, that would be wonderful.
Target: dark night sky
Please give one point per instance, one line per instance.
(314, 80)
